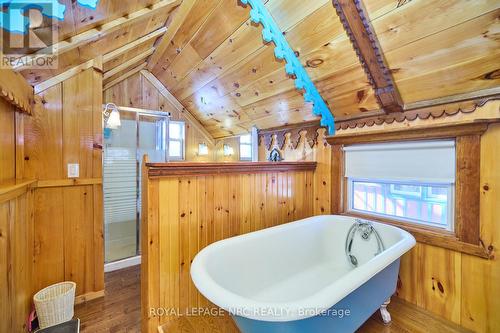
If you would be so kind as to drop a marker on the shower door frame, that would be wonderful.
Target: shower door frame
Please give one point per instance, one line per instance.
(141, 112)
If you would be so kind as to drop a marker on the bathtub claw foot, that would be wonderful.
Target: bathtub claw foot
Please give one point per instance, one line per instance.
(386, 316)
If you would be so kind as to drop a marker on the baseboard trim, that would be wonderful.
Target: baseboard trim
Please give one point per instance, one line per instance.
(89, 296)
(116, 265)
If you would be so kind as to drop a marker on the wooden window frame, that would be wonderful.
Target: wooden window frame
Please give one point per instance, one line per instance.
(465, 236)
(246, 159)
(182, 141)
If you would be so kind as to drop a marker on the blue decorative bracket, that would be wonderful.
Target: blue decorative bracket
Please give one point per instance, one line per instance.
(14, 21)
(283, 51)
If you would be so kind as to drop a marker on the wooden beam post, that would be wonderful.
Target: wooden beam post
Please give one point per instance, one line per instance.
(356, 24)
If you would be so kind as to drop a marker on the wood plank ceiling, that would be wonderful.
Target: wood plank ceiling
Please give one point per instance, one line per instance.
(116, 24)
(216, 64)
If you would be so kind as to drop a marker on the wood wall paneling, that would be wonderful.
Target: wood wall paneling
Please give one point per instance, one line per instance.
(479, 304)
(65, 127)
(300, 149)
(458, 286)
(16, 219)
(187, 213)
(16, 261)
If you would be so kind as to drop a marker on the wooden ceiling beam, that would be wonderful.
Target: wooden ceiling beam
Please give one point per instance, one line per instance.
(124, 76)
(96, 33)
(128, 63)
(356, 24)
(98, 62)
(93, 63)
(130, 46)
(171, 98)
(174, 23)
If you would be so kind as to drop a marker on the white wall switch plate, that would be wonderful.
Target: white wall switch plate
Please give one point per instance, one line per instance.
(73, 170)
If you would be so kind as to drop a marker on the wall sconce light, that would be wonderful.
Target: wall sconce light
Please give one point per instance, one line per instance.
(202, 149)
(228, 150)
(111, 116)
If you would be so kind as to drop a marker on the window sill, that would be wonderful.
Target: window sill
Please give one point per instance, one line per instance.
(432, 236)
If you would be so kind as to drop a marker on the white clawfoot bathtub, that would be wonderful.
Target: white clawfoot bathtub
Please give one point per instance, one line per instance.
(296, 277)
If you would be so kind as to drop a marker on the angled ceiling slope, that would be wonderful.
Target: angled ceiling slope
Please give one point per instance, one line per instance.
(123, 34)
(212, 58)
(222, 72)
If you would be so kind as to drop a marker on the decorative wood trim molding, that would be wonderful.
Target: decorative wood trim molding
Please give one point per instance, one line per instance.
(365, 43)
(176, 169)
(89, 297)
(98, 32)
(173, 100)
(16, 91)
(293, 67)
(441, 131)
(124, 76)
(68, 182)
(15, 188)
(432, 111)
(311, 128)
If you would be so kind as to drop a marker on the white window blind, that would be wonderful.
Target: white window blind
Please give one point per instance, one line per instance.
(423, 161)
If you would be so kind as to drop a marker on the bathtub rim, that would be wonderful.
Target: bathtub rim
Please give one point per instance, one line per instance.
(320, 301)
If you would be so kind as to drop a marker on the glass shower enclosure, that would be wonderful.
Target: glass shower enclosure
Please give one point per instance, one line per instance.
(141, 132)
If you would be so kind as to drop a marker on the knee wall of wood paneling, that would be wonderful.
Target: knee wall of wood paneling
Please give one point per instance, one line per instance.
(185, 214)
(320, 153)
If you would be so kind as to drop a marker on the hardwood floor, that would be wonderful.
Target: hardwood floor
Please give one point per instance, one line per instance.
(119, 312)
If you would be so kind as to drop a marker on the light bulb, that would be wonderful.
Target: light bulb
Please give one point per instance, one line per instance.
(114, 120)
(202, 149)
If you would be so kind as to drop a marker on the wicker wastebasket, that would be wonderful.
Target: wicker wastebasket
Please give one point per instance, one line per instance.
(55, 304)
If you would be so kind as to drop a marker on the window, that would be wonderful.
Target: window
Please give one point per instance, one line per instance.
(412, 182)
(246, 147)
(176, 136)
